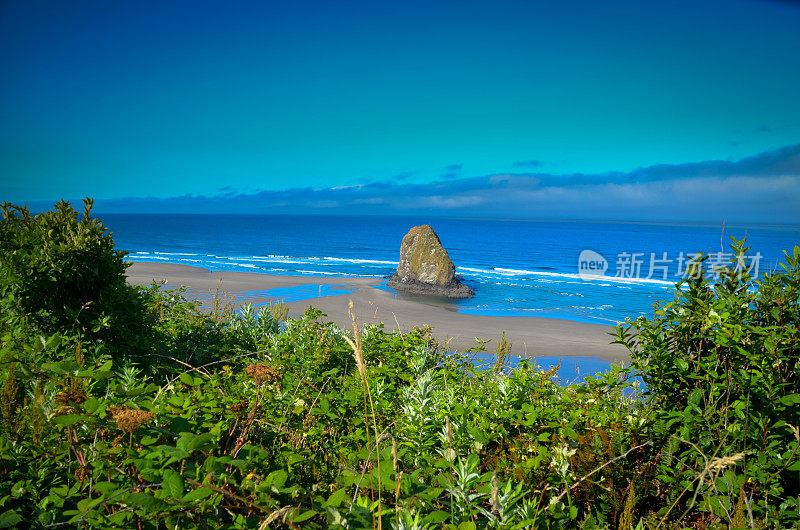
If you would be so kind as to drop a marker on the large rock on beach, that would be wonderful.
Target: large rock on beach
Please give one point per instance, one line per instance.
(425, 267)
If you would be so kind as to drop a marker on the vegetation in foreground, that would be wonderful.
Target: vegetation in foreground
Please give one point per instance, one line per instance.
(131, 408)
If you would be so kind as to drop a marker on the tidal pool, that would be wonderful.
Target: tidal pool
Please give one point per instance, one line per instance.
(573, 369)
(297, 293)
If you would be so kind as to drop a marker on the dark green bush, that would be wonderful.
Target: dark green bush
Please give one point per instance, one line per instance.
(60, 274)
(720, 363)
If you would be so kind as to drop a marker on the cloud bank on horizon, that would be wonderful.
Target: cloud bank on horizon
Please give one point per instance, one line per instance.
(761, 188)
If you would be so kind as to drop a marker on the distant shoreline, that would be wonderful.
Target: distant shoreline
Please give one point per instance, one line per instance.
(535, 336)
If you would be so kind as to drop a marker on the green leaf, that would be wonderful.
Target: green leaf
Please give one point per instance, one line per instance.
(68, 367)
(791, 399)
(437, 517)
(105, 488)
(336, 498)
(84, 505)
(238, 463)
(191, 442)
(53, 342)
(174, 452)
(187, 379)
(308, 514)
(173, 484)
(294, 458)
(71, 419)
(277, 478)
(148, 440)
(196, 495)
(569, 432)
(479, 435)
(19, 488)
(146, 501)
(573, 512)
(9, 518)
(91, 405)
(105, 371)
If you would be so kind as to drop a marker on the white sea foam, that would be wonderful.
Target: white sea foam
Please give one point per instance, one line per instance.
(278, 260)
(355, 260)
(234, 264)
(614, 279)
(639, 280)
(481, 271)
(590, 308)
(176, 253)
(513, 272)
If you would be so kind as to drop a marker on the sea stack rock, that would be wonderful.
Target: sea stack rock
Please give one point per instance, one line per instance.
(425, 267)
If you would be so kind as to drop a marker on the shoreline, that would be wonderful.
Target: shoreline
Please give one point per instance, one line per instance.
(535, 336)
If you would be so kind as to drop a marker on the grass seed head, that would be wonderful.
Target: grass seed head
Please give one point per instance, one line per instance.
(718, 464)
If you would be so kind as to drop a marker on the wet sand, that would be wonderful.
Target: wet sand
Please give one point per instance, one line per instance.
(529, 335)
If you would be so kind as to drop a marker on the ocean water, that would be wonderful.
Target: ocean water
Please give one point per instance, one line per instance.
(516, 267)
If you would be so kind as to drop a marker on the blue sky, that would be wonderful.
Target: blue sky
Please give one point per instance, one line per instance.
(265, 106)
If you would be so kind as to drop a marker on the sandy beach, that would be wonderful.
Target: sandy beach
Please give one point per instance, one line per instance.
(529, 335)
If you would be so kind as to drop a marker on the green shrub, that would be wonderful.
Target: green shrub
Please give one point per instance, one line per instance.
(720, 363)
(60, 274)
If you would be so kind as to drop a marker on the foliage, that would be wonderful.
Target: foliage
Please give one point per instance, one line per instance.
(246, 419)
(720, 363)
(282, 432)
(60, 274)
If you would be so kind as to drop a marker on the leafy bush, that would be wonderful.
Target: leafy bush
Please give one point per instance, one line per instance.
(720, 363)
(60, 274)
(284, 434)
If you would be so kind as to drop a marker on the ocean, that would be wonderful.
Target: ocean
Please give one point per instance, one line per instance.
(586, 271)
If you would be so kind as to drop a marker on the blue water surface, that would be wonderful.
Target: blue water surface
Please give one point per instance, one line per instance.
(516, 267)
(296, 293)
